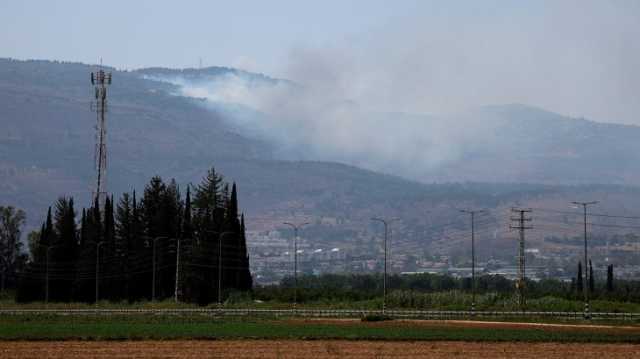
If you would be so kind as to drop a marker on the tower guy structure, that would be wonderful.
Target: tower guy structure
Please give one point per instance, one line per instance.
(520, 221)
(100, 80)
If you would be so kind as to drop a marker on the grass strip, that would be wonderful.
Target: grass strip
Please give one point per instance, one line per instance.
(202, 327)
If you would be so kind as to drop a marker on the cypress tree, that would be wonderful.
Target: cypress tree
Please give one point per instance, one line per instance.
(83, 237)
(153, 219)
(172, 216)
(187, 243)
(152, 209)
(207, 222)
(109, 267)
(187, 225)
(127, 232)
(124, 243)
(141, 254)
(90, 235)
(610, 278)
(246, 281)
(579, 284)
(592, 285)
(63, 256)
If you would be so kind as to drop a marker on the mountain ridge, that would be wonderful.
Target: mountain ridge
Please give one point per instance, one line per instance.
(46, 151)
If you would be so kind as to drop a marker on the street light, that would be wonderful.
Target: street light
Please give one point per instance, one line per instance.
(295, 259)
(384, 277)
(586, 277)
(473, 256)
(153, 276)
(46, 291)
(97, 267)
(220, 237)
(175, 293)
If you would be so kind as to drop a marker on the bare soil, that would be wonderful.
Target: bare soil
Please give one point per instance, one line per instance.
(317, 349)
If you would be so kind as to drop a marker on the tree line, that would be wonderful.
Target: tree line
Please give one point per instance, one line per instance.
(12, 256)
(359, 287)
(156, 247)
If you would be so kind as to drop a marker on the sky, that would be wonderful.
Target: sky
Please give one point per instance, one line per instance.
(578, 58)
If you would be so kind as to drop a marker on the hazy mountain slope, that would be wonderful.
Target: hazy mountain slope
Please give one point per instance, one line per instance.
(533, 145)
(49, 133)
(506, 143)
(47, 151)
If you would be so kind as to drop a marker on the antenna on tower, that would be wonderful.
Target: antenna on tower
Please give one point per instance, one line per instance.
(100, 80)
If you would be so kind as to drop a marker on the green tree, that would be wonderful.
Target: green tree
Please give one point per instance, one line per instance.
(592, 284)
(11, 256)
(124, 240)
(610, 278)
(579, 283)
(64, 251)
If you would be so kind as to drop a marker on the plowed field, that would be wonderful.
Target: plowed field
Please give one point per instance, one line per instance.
(315, 349)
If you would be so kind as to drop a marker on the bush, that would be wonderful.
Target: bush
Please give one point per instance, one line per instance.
(376, 318)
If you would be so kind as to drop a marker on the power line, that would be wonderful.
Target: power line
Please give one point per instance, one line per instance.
(588, 214)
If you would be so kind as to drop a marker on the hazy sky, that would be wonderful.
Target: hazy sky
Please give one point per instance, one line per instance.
(579, 58)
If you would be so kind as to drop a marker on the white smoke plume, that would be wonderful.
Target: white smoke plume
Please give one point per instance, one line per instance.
(371, 100)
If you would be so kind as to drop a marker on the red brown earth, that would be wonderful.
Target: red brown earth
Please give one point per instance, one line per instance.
(316, 349)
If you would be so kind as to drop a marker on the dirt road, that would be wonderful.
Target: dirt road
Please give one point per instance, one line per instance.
(317, 349)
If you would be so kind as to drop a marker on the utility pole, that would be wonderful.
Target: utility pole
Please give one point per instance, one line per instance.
(585, 287)
(386, 223)
(220, 238)
(295, 259)
(473, 256)
(175, 294)
(46, 290)
(520, 220)
(97, 268)
(153, 276)
(100, 80)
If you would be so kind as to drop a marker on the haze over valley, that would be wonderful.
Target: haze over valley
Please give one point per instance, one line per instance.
(412, 111)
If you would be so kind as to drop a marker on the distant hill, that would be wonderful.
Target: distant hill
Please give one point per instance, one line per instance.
(47, 142)
(504, 143)
(527, 144)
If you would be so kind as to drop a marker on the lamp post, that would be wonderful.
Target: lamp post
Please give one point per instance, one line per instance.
(220, 238)
(97, 268)
(585, 288)
(46, 285)
(385, 222)
(153, 276)
(295, 259)
(175, 293)
(473, 257)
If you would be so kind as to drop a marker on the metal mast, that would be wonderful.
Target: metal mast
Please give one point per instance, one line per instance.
(386, 223)
(473, 255)
(520, 221)
(295, 227)
(100, 80)
(585, 286)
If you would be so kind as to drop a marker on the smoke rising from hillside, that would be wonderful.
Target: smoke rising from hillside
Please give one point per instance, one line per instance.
(352, 100)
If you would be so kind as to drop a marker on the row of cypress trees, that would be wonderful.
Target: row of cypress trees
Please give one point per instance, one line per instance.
(129, 251)
(578, 284)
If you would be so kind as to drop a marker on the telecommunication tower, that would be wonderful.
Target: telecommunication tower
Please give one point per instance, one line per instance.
(100, 80)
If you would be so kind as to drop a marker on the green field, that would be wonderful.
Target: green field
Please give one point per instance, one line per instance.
(165, 327)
